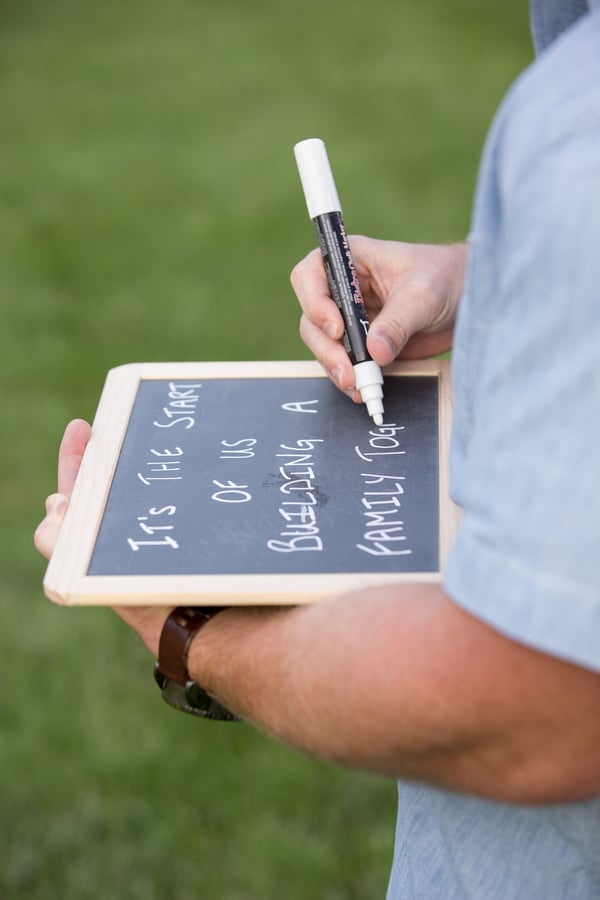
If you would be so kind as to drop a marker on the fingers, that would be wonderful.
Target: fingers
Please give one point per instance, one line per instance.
(310, 284)
(70, 454)
(47, 531)
(411, 292)
(321, 324)
(330, 354)
(322, 327)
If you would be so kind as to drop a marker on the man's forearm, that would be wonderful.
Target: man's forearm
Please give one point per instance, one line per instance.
(402, 682)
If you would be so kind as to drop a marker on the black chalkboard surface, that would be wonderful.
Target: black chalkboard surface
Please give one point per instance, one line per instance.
(255, 483)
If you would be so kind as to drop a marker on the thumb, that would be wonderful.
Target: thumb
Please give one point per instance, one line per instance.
(391, 330)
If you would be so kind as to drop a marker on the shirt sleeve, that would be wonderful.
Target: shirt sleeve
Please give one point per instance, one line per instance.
(527, 555)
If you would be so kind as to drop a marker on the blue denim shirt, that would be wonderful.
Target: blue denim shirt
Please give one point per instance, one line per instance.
(526, 456)
(526, 368)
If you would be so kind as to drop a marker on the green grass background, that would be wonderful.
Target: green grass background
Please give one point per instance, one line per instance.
(150, 210)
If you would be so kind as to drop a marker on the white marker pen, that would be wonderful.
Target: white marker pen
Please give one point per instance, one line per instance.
(325, 210)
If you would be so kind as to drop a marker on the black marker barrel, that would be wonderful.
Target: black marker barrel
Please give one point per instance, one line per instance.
(325, 210)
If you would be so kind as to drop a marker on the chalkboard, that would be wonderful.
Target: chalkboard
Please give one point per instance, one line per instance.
(255, 483)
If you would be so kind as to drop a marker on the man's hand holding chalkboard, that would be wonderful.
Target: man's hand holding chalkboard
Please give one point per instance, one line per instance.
(73, 444)
(147, 621)
(398, 680)
(411, 292)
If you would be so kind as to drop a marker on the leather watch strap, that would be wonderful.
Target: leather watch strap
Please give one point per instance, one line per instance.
(170, 671)
(176, 637)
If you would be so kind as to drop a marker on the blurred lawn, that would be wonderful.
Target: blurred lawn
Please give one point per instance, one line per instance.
(150, 210)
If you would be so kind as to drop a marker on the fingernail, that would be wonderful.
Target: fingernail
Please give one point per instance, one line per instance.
(332, 329)
(388, 350)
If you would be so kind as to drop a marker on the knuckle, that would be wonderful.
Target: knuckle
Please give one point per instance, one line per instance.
(303, 328)
(51, 501)
(295, 275)
(40, 541)
(304, 272)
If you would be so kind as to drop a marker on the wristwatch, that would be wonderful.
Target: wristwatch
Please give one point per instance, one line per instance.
(170, 670)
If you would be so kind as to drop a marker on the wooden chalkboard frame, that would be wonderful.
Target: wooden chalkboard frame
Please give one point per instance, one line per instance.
(67, 582)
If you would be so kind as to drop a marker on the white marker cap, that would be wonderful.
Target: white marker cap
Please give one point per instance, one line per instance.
(316, 177)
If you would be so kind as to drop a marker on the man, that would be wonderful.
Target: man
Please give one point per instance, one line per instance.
(482, 696)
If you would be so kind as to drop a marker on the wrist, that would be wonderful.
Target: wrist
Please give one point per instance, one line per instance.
(147, 621)
(171, 671)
